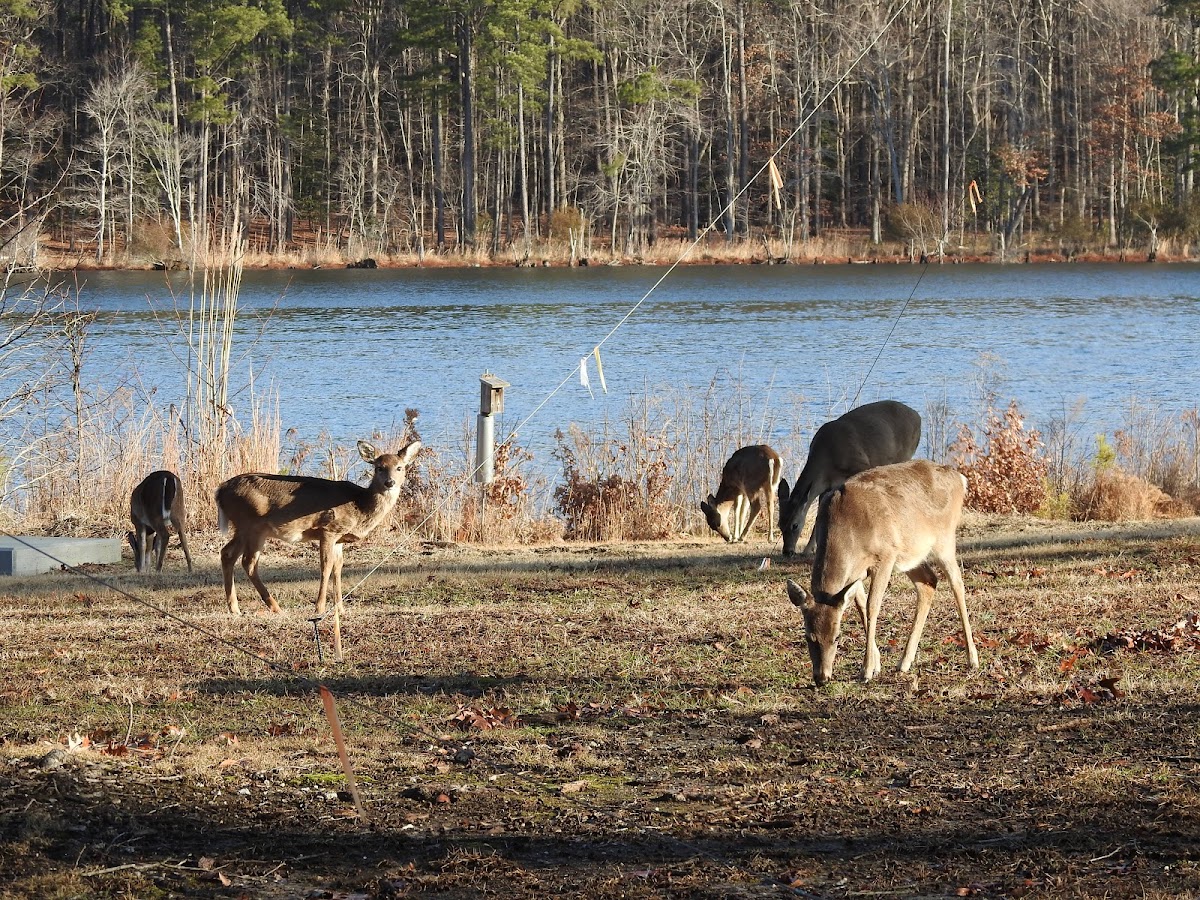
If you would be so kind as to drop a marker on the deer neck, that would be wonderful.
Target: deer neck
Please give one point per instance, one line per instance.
(377, 501)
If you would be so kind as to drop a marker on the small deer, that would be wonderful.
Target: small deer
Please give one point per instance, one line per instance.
(901, 516)
(751, 473)
(299, 508)
(875, 434)
(154, 507)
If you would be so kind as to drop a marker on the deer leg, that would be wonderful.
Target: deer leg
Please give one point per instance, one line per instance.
(329, 559)
(161, 538)
(337, 576)
(755, 506)
(146, 547)
(183, 543)
(859, 596)
(771, 513)
(810, 549)
(879, 582)
(960, 598)
(250, 564)
(138, 540)
(229, 555)
(925, 580)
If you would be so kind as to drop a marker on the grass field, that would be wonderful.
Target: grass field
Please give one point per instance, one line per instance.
(620, 720)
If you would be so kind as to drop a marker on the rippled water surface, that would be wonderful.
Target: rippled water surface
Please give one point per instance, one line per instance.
(348, 350)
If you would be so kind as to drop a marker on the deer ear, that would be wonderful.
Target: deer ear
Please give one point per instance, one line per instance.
(367, 452)
(784, 491)
(409, 453)
(797, 594)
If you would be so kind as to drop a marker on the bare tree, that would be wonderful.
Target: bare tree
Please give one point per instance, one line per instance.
(117, 103)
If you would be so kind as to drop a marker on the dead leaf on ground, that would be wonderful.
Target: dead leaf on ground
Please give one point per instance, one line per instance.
(1182, 635)
(469, 717)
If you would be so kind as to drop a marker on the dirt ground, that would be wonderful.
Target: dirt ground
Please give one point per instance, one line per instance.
(607, 721)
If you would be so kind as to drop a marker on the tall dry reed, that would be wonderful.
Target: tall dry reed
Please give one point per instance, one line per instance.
(83, 450)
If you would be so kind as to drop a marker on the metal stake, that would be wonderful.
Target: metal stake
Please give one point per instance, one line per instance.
(317, 638)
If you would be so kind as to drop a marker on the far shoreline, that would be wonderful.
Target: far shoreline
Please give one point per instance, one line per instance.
(664, 254)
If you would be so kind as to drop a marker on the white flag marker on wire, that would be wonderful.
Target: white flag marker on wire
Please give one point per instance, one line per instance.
(776, 180)
(600, 370)
(583, 375)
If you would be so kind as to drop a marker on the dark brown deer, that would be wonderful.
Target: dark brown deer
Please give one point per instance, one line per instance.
(300, 508)
(875, 434)
(901, 516)
(154, 507)
(750, 475)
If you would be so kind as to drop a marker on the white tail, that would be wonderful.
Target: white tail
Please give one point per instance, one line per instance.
(298, 508)
(901, 516)
(874, 434)
(751, 474)
(155, 506)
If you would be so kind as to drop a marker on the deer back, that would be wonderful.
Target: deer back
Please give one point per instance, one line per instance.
(749, 472)
(908, 510)
(292, 507)
(874, 434)
(158, 501)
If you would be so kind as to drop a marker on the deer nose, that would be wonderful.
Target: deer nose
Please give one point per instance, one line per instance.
(389, 482)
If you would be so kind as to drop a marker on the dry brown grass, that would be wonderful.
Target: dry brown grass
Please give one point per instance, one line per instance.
(608, 720)
(1116, 496)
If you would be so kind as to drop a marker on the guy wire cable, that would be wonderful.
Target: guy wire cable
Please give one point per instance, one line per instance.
(888, 337)
(416, 730)
(412, 730)
(687, 251)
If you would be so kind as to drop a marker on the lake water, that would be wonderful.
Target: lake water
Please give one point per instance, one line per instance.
(347, 351)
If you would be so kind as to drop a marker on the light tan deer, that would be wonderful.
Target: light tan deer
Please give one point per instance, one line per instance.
(874, 434)
(751, 473)
(299, 508)
(901, 516)
(154, 507)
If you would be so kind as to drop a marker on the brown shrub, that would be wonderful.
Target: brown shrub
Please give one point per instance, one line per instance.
(507, 515)
(563, 221)
(1005, 470)
(613, 506)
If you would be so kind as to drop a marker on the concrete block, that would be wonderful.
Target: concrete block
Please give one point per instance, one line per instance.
(25, 556)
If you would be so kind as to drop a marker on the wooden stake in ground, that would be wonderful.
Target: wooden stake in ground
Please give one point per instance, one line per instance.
(336, 726)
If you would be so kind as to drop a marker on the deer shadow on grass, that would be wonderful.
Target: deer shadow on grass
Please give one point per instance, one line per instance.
(462, 684)
(263, 836)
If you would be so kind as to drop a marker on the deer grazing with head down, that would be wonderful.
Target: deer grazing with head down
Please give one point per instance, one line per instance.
(300, 508)
(901, 516)
(154, 507)
(751, 474)
(874, 434)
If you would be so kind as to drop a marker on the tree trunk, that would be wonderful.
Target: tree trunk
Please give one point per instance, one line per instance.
(465, 42)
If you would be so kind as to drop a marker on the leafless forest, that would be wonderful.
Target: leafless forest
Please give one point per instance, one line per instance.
(489, 127)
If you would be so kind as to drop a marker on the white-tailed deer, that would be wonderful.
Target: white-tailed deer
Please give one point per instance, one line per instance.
(154, 507)
(901, 516)
(299, 508)
(875, 434)
(751, 474)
